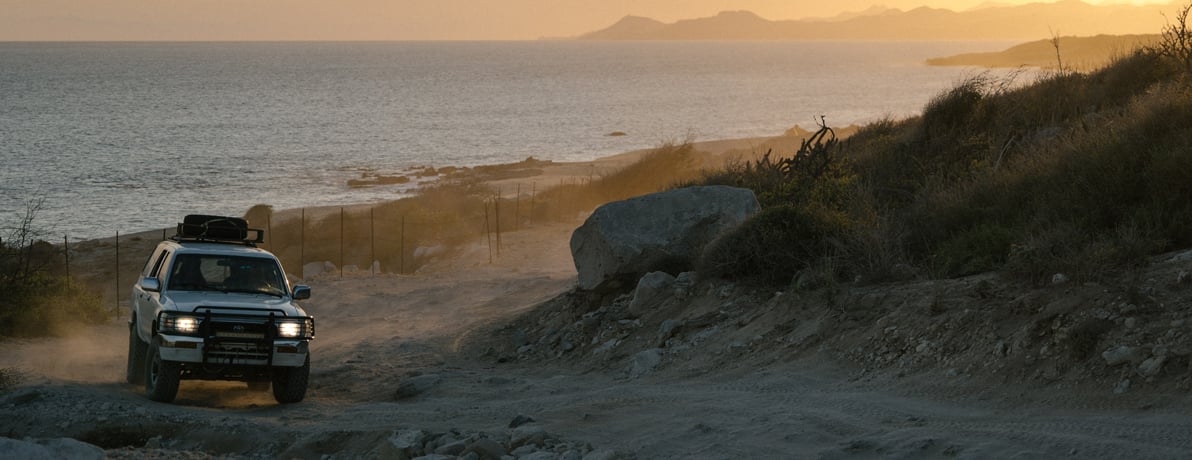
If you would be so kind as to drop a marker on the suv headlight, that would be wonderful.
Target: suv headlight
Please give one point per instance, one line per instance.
(178, 324)
(295, 329)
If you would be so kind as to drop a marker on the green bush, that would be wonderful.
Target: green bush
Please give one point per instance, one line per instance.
(37, 300)
(976, 250)
(775, 244)
(44, 305)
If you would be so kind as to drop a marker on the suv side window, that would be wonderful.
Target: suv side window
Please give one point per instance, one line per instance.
(149, 261)
(155, 273)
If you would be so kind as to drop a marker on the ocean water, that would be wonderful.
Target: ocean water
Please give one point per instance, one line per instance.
(132, 136)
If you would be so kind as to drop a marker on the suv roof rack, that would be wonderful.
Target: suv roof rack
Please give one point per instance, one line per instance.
(218, 229)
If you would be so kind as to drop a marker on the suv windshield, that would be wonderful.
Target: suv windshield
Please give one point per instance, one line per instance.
(207, 272)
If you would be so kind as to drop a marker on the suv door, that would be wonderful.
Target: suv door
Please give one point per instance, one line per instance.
(146, 302)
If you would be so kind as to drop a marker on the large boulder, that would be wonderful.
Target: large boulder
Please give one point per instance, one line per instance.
(663, 231)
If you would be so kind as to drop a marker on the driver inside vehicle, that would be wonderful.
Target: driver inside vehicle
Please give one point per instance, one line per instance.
(254, 276)
(187, 275)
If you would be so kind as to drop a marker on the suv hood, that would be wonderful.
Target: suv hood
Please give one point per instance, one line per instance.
(189, 301)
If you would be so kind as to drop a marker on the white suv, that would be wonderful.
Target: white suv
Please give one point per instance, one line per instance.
(210, 305)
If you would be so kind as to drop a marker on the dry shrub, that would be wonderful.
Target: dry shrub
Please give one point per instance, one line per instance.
(1175, 41)
(10, 378)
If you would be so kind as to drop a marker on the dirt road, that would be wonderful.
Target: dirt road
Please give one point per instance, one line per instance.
(413, 357)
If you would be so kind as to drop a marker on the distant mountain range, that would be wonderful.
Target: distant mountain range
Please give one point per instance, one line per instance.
(993, 22)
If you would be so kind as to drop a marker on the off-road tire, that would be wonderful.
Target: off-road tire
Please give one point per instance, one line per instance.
(161, 376)
(289, 383)
(137, 348)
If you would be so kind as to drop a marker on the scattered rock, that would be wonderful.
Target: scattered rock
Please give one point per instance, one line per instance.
(1059, 278)
(603, 455)
(1151, 366)
(415, 386)
(651, 289)
(667, 329)
(312, 269)
(527, 435)
(520, 420)
(454, 448)
(487, 449)
(1119, 355)
(404, 444)
(540, 455)
(684, 283)
(1122, 387)
(606, 346)
(436, 457)
(645, 362)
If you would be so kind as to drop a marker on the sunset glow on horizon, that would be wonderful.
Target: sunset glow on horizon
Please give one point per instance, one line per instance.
(136, 20)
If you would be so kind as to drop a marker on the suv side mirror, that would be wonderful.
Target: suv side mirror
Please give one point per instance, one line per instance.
(151, 284)
(301, 292)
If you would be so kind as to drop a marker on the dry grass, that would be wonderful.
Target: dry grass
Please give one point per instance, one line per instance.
(1077, 173)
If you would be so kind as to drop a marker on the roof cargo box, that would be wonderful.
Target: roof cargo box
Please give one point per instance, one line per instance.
(218, 228)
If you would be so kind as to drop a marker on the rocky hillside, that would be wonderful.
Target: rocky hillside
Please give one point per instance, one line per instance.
(1132, 335)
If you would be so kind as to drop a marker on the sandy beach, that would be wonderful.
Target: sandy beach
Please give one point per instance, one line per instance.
(466, 347)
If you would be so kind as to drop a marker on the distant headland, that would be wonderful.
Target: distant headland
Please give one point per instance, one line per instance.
(1023, 22)
(1070, 53)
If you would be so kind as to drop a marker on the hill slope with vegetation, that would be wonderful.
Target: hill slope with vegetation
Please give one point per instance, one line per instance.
(1078, 173)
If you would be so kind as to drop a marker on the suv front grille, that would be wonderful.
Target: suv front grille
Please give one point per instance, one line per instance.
(239, 335)
(239, 329)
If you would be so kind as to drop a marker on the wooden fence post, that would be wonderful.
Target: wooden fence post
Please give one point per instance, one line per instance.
(401, 247)
(487, 236)
(66, 253)
(497, 210)
(341, 242)
(372, 240)
(302, 246)
(117, 274)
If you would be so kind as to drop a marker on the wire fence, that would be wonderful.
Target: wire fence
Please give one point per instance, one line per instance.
(357, 240)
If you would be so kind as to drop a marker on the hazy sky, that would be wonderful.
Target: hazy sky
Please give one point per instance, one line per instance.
(388, 19)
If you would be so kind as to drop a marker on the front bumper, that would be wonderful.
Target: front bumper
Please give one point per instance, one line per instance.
(186, 349)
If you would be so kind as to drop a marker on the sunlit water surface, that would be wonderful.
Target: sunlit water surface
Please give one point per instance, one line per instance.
(131, 136)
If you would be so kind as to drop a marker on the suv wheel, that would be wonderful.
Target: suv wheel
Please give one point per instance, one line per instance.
(161, 376)
(135, 372)
(289, 383)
